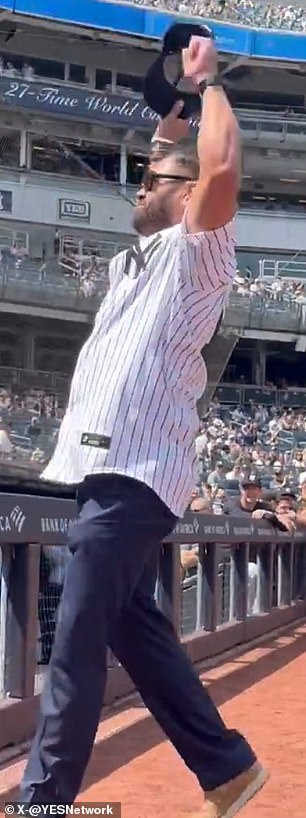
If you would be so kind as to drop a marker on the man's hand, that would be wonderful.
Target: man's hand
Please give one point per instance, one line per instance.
(171, 128)
(200, 59)
(261, 514)
(288, 520)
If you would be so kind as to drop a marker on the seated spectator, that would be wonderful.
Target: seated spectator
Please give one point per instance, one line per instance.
(217, 477)
(281, 515)
(218, 500)
(28, 71)
(34, 429)
(279, 480)
(6, 447)
(189, 553)
(235, 473)
(301, 501)
(248, 500)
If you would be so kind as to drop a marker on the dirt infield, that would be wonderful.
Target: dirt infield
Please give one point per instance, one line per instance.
(262, 693)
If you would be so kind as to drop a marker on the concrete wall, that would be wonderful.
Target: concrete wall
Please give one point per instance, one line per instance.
(35, 198)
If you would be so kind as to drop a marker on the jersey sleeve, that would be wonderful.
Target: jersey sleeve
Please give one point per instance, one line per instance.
(207, 267)
(208, 260)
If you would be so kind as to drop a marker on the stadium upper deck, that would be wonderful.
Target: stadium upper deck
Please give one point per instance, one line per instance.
(72, 114)
(149, 20)
(50, 77)
(251, 14)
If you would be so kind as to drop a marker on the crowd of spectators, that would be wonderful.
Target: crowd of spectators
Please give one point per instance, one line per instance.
(86, 274)
(89, 273)
(258, 446)
(8, 68)
(254, 13)
(251, 462)
(278, 290)
(265, 444)
(29, 423)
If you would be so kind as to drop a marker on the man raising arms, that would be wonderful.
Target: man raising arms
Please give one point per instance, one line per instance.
(127, 440)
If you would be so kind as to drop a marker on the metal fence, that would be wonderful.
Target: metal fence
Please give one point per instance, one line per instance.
(236, 394)
(57, 383)
(243, 581)
(50, 289)
(294, 269)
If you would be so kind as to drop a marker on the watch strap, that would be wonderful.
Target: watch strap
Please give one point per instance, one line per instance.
(210, 82)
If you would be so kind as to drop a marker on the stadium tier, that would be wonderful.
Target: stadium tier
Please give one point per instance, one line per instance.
(75, 137)
(256, 14)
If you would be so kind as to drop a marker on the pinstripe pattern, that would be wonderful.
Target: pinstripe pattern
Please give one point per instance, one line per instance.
(140, 374)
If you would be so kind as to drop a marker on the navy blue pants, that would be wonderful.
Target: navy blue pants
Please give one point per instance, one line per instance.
(108, 600)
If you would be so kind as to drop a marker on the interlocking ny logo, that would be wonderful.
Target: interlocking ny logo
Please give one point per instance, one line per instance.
(17, 517)
(141, 257)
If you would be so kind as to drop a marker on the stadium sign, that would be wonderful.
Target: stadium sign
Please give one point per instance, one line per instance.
(56, 525)
(79, 103)
(48, 520)
(74, 210)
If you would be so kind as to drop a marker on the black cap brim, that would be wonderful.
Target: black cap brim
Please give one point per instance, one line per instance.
(179, 34)
(160, 94)
(245, 484)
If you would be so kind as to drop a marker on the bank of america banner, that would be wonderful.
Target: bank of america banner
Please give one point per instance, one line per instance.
(78, 103)
(47, 520)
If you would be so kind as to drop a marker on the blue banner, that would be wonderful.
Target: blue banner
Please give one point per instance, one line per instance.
(152, 24)
(78, 103)
(279, 46)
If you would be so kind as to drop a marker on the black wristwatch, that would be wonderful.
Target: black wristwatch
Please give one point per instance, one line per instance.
(214, 81)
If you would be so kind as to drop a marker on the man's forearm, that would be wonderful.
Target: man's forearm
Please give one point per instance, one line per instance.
(214, 199)
(169, 131)
(219, 138)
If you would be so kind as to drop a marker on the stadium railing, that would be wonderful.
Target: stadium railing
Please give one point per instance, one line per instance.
(294, 269)
(54, 382)
(57, 383)
(215, 607)
(237, 394)
(55, 291)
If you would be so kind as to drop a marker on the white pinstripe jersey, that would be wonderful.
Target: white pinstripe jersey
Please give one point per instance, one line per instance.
(140, 373)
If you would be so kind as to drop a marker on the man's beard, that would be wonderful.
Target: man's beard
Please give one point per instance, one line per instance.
(147, 221)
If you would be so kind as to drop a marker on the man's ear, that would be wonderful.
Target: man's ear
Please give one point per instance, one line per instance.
(189, 187)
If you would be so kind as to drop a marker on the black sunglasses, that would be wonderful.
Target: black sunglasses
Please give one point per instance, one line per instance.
(150, 178)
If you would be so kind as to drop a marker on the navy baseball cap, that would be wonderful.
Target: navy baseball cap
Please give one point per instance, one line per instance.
(250, 481)
(290, 493)
(164, 84)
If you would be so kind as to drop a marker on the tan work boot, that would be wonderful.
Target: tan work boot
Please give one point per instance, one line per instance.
(227, 800)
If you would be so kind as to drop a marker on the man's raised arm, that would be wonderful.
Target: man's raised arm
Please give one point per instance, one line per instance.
(213, 201)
